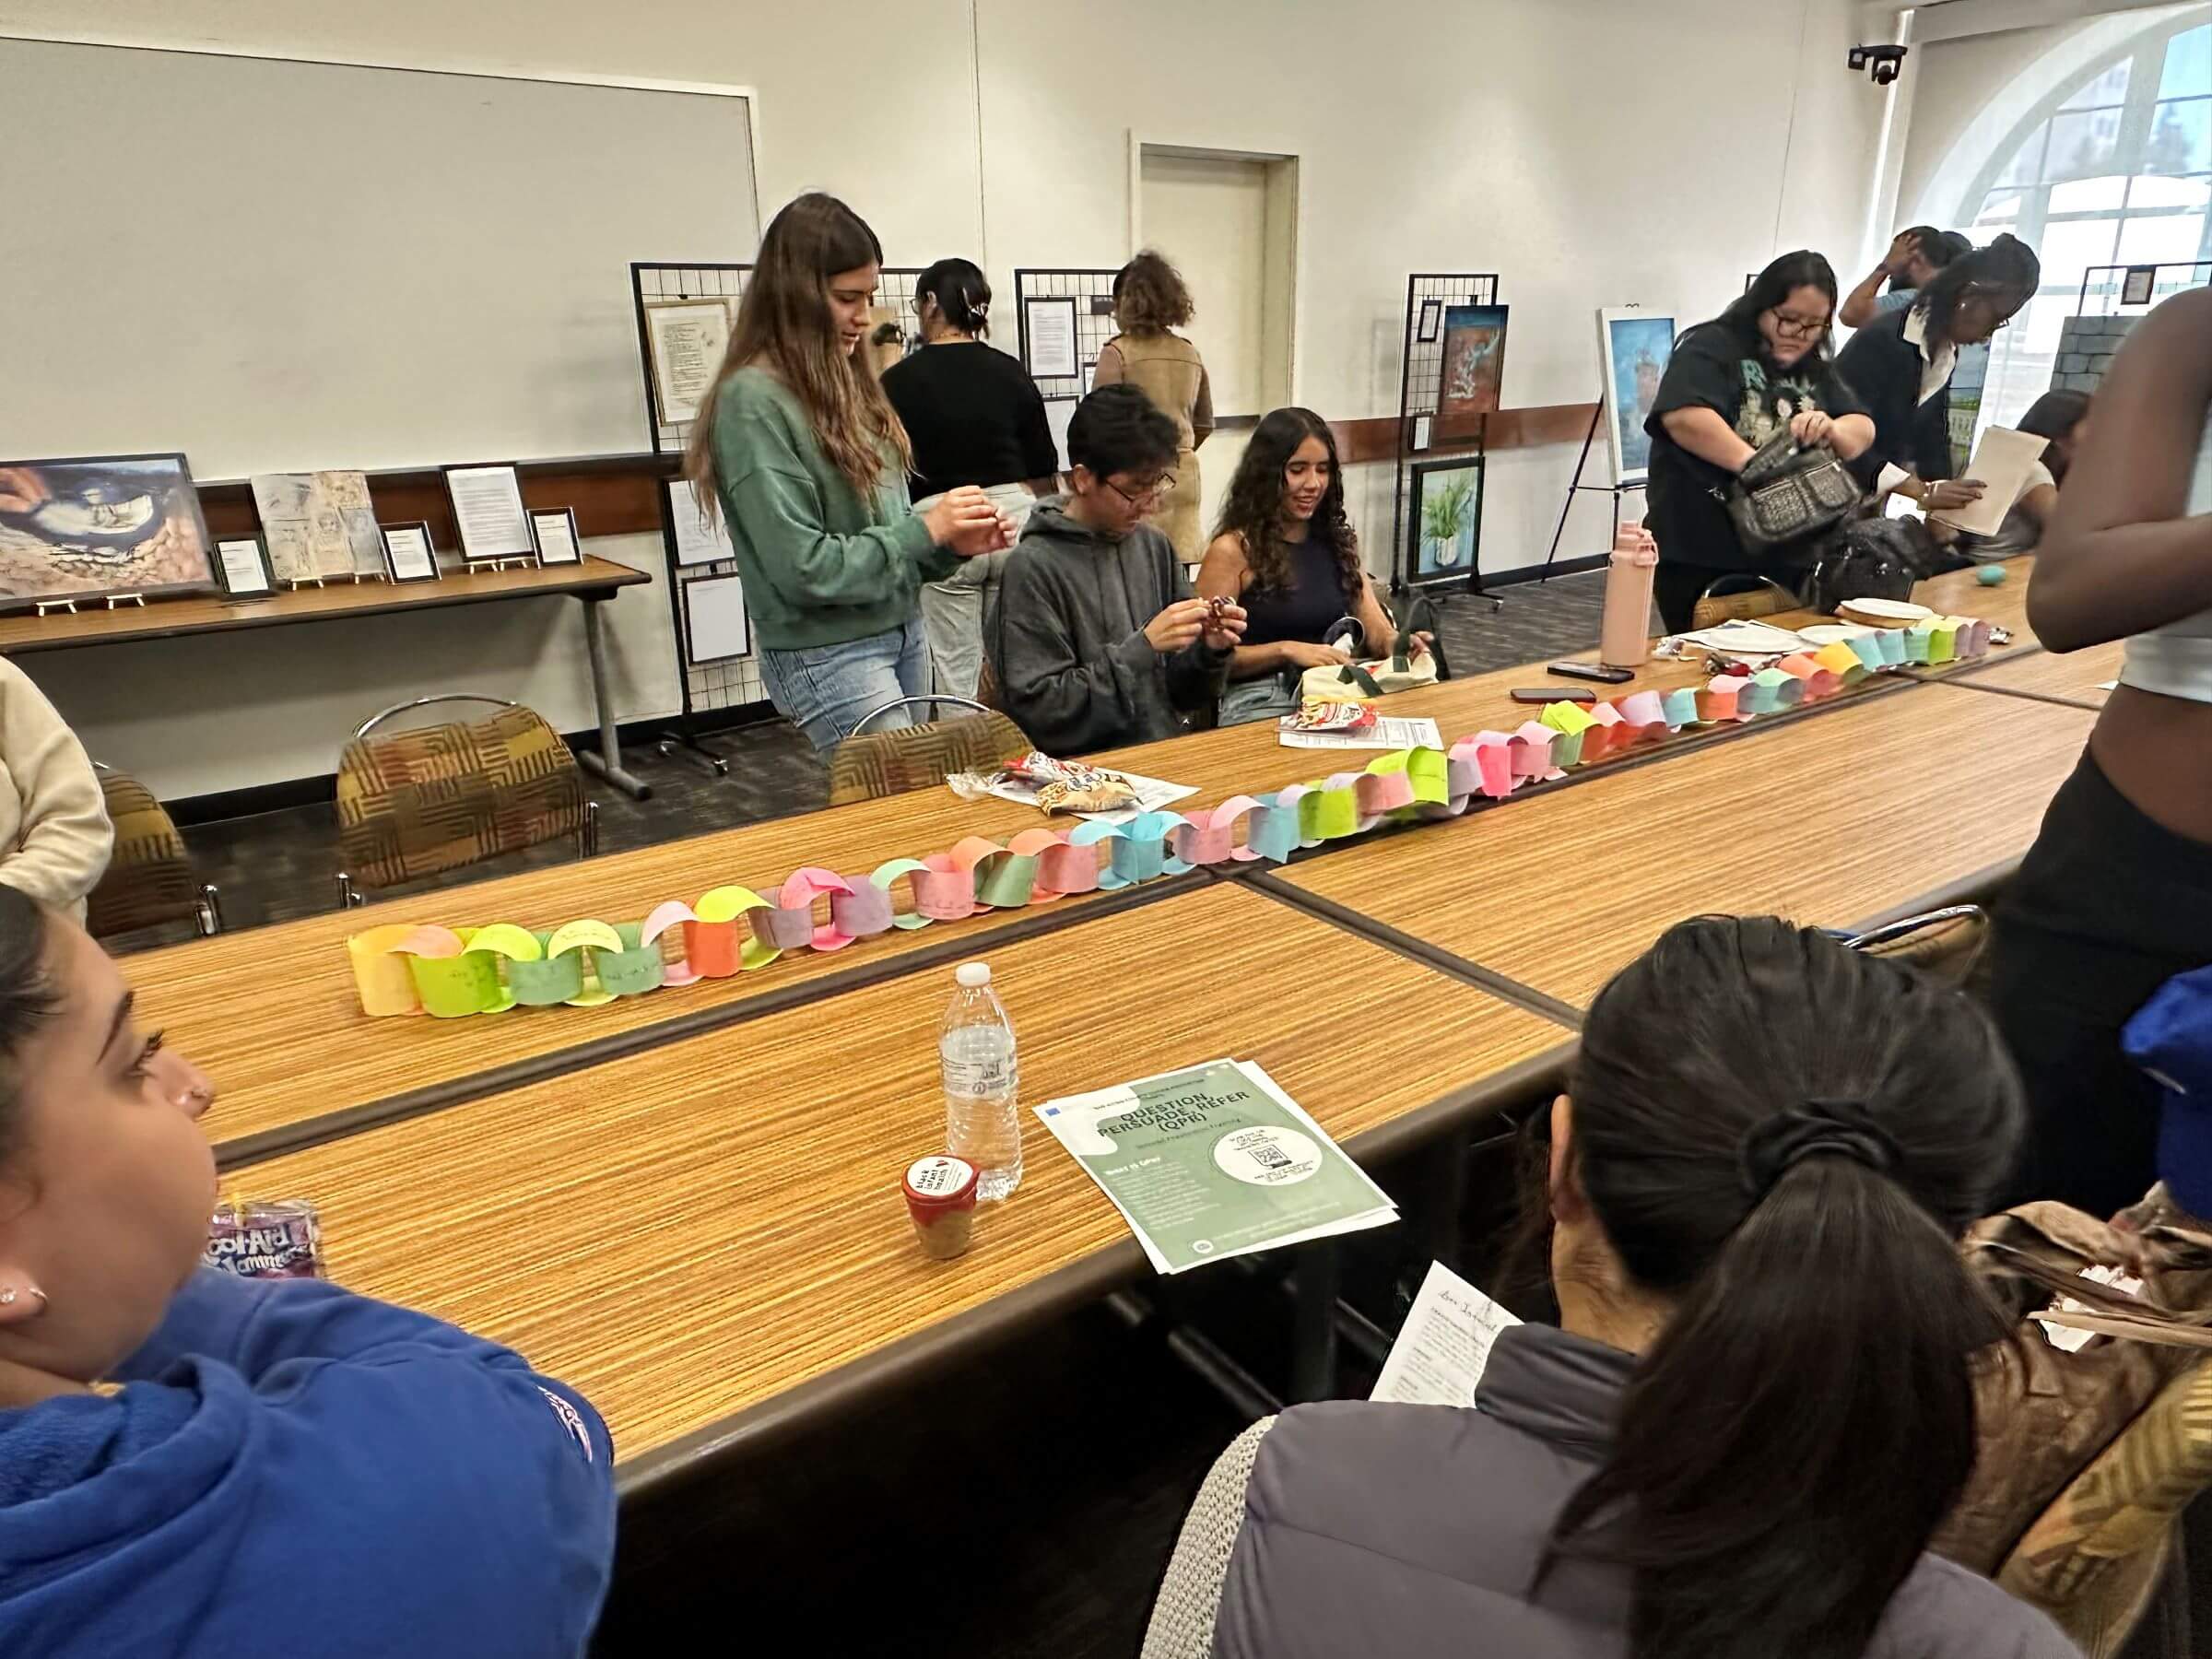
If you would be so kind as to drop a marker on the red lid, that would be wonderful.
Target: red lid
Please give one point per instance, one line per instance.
(940, 1182)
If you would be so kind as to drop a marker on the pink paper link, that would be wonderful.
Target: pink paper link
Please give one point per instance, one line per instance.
(944, 889)
(1493, 762)
(664, 917)
(1531, 752)
(801, 888)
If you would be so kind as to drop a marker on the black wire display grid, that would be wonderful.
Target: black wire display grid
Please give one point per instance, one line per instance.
(1429, 295)
(1092, 290)
(732, 684)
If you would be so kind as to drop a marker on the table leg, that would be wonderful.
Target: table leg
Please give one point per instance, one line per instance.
(1313, 1342)
(607, 762)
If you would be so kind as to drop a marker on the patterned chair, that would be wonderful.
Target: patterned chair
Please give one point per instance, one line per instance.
(1947, 943)
(869, 765)
(434, 798)
(1763, 598)
(148, 879)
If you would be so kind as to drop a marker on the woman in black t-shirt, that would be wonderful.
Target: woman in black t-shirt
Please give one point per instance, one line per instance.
(1760, 369)
(974, 417)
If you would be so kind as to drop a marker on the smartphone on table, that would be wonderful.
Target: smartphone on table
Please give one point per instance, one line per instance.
(1591, 671)
(1551, 694)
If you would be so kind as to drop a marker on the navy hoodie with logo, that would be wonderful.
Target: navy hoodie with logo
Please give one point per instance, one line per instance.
(291, 1468)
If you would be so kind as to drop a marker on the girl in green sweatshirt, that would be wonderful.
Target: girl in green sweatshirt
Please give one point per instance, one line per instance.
(801, 454)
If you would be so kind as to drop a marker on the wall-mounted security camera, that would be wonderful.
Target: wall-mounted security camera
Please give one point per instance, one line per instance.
(1883, 64)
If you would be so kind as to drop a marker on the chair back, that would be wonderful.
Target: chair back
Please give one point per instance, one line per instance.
(1753, 596)
(2097, 1556)
(148, 879)
(1947, 943)
(869, 765)
(441, 797)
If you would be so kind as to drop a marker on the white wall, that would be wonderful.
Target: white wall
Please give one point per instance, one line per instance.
(1590, 151)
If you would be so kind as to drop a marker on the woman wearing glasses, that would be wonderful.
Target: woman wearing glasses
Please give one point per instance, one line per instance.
(1759, 368)
(1903, 365)
(974, 417)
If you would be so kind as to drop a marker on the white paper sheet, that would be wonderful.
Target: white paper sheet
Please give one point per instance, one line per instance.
(1383, 735)
(413, 558)
(242, 574)
(1052, 338)
(1744, 639)
(715, 618)
(488, 509)
(2002, 461)
(1443, 1345)
(697, 542)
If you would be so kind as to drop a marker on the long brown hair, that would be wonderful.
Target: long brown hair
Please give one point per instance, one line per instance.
(1253, 508)
(783, 326)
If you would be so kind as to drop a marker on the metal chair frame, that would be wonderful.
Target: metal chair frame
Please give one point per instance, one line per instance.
(970, 703)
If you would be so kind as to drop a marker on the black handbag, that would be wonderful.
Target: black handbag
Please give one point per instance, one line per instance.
(1789, 492)
(1873, 559)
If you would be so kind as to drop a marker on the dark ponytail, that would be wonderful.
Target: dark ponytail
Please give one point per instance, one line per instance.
(962, 295)
(1783, 1138)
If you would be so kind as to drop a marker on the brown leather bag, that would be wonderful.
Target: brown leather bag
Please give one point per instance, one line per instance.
(2045, 1415)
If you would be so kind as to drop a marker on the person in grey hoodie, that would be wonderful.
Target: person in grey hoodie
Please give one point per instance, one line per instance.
(1094, 639)
(1755, 1407)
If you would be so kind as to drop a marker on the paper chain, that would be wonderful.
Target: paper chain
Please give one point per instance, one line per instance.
(440, 971)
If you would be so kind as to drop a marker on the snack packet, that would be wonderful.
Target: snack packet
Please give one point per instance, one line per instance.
(1316, 714)
(282, 1239)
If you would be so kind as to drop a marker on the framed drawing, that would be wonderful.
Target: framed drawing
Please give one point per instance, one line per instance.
(1474, 369)
(1048, 338)
(88, 526)
(488, 513)
(409, 554)
(1633, 348)
(1432, 312)
(2135, 287)
(557, 543)
(716, 627)
(685, 340)
(320, 526)
(1446, 521)
(243, 563)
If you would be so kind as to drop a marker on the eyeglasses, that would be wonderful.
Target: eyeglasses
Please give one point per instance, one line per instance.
(1146, 495)
(1798, 328)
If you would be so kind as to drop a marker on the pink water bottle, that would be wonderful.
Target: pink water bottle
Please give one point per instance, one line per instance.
(1623, 641)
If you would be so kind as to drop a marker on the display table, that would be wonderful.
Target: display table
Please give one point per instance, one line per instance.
(591, 582)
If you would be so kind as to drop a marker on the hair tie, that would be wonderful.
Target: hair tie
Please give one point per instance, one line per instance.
(1771, 1146)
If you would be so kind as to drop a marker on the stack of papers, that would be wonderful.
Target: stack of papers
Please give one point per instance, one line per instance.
(1213, 1162)
(1381, 735)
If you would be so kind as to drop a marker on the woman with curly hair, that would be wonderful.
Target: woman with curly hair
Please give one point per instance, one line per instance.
(1150, 303)
(1286, 553)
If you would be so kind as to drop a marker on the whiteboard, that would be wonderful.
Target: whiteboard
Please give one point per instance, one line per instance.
(276, 265)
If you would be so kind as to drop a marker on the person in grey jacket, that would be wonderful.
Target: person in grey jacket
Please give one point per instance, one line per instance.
(1094, 639)
(1756, 1408)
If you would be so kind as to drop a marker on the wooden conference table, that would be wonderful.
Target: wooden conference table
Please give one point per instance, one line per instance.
(687, 1202)
(591, 582)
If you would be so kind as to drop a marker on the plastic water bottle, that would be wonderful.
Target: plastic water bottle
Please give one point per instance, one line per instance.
(975, 1048)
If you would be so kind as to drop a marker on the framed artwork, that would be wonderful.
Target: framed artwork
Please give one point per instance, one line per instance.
(84, 527)
(1447, 520)
(488, 513)
(1048, 339)
(1432, 315)
(2137, 286)
(1474, 369)
(716, 627)
(408, 553)
(685, 340)
(1424, 426)
(1633, 348)
(243, 563)
(319, 526)
(1090, 377)
(557, 543)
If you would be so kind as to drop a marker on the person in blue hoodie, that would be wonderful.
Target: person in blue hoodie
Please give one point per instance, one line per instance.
(285, 1464)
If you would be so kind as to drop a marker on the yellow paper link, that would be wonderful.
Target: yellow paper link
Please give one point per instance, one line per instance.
(504, 939)
(380, 974)
(578, 936)
(1571, 719)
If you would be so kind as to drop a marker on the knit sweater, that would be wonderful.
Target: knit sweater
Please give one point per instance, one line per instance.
(821, 563)
(55, 834)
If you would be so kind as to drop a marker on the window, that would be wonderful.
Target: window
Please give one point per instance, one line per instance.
(2113, 167)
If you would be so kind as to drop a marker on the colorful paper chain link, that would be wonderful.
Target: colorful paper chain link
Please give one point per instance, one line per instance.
(450, 972)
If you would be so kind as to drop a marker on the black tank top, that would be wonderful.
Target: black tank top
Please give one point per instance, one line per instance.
(1304, 609)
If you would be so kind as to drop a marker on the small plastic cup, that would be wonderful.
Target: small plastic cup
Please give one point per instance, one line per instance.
(940, 1199)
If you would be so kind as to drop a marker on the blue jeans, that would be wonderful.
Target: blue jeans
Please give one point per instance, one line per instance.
(825, 689)
(1267, 697)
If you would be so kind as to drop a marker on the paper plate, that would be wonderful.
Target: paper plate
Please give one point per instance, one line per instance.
(1833, 633)
(1883, 613)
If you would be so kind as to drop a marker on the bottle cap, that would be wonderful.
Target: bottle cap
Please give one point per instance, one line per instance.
(973, 975)
(939, 1182)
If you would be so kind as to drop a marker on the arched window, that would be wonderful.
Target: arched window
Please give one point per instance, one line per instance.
(2113, 166)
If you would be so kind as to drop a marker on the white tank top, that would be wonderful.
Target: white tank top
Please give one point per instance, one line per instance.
(2176, 660)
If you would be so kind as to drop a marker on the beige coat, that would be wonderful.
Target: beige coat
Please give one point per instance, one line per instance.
(1167, 369)
(55, 834)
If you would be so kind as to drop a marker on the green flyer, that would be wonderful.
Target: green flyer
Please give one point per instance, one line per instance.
(1214, 1161)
